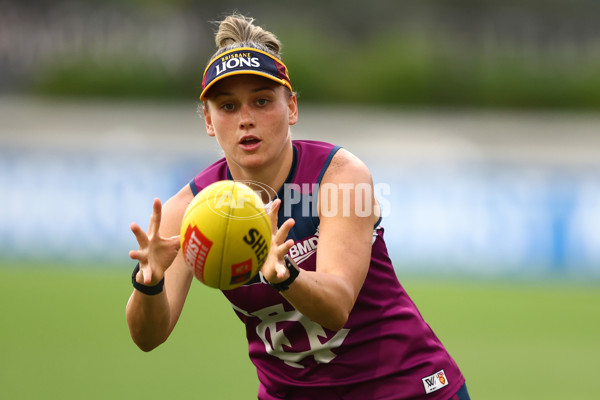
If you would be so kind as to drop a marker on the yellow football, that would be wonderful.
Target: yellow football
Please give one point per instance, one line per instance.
(225, 235)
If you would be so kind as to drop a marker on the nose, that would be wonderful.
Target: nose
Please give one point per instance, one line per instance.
(246, 118)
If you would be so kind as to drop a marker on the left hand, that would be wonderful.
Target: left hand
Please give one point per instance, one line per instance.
(155, 253)
(274, 269)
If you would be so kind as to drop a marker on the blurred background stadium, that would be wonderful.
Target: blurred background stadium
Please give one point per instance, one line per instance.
(479, 119)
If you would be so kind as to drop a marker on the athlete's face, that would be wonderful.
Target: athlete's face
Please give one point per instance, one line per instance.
(250, 117)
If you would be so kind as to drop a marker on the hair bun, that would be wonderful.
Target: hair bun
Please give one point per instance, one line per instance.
(239, 31)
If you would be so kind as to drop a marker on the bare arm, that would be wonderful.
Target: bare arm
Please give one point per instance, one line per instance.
(151, 319)
(328, 294)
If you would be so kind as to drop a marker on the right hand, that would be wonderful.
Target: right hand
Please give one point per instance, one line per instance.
(155, 253)
(274, 269)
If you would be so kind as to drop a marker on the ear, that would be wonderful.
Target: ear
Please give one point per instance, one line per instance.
(210, 129)
(293, 109)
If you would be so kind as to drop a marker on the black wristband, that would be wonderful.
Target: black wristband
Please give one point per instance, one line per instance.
(294, 272)
(149, 290)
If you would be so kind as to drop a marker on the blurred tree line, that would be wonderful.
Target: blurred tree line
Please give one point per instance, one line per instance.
(472, 53)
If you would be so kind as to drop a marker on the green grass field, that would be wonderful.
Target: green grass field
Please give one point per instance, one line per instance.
(64, 336)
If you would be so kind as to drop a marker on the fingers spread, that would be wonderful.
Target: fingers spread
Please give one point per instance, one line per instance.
(283, 249)
(146, 275)
(155, 218)
(140, 235)
(273, 214)
(134, 254)
(284, 230)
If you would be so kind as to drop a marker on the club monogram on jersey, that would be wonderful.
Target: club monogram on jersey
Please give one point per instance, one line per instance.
(278, 345)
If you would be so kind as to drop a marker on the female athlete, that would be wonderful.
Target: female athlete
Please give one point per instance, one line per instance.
(326, 318)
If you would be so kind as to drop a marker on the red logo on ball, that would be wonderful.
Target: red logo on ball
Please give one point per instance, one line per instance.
(195, 250)
(241, 272)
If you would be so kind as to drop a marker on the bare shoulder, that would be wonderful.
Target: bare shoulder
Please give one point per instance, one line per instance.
(174, 209)
(346, 167)
(346, 172)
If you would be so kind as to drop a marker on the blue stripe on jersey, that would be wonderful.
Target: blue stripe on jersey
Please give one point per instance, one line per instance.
(327, 162)
(193, 187)
(306, 207)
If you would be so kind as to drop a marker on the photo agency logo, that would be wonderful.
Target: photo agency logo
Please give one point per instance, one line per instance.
(253, 199)
(337, 199)
(241, 200)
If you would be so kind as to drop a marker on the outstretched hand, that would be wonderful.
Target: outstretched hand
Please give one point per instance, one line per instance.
(155, 253)
(274, 269)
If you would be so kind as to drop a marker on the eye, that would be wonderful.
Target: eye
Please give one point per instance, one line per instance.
(262, 102)
(228, 106)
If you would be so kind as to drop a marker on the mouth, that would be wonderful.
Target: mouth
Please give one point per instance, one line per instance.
(250, 143)
(249, 140)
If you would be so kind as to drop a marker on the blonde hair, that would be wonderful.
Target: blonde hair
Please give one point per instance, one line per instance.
(239, 31)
